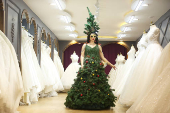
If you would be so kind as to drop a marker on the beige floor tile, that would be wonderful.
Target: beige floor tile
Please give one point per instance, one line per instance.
(56, 105)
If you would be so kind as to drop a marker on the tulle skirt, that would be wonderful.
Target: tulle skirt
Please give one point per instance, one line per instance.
(131, 80)
(11, 95)
(118, 76)
(157, 100)
(69, 75)
(155, 73)
(112, 76)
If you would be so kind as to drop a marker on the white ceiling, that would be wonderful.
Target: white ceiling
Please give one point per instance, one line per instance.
(111, 16)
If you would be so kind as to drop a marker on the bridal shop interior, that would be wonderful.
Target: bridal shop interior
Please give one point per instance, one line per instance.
(42, 43)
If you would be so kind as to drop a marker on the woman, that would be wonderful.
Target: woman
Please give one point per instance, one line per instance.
(91, 89)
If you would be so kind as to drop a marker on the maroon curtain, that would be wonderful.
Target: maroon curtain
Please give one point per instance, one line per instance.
(69, 51)
(110, 52)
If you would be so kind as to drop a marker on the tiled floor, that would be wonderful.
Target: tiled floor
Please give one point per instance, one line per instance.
(56, 105)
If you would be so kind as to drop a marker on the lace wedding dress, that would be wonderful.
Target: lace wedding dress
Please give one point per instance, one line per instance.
(70, 72)
(146, 65)
(126, 95)
(11, 85)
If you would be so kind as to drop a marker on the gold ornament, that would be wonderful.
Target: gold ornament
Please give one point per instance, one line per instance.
(96, 70)
(81, 78)
(99, 90)
(108, 94)
(92, 62)
(93, 74)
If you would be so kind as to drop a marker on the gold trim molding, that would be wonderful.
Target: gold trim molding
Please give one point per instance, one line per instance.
(99, 37)
(26, 14)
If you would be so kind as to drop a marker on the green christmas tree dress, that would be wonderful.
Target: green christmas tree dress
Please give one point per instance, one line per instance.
(91, 90)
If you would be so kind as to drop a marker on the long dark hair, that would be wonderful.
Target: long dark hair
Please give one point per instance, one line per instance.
(96, 40)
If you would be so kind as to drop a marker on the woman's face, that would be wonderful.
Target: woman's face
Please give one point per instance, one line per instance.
(92, 37)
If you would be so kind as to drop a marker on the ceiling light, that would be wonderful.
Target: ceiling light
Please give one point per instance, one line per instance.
(58, 4)
(135, 19)
(69, 28)
(125, 28)
(139, 4)
(145, 5)
(121, 35)
(73, 35)
(66, 19)
(131, 19)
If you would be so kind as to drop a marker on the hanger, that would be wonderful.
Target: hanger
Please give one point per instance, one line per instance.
(152, 23)
(144, 32)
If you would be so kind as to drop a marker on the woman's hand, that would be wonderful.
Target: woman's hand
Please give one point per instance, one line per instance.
(114, 67)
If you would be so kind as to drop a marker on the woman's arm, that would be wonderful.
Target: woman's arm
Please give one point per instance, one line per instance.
(82, 55)
(104, 59)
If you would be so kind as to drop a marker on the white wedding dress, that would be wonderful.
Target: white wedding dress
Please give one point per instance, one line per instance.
(48, 67)
(146, 65)
(157, 98)
(71, 72)
(125, 71)
(126, 95)
(33, 78)
(11, 85)
(58, 63)
(121, 60)
(113, 72)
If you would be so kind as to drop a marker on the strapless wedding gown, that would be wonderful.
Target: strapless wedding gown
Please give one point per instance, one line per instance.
(70, 72)
(121, 60)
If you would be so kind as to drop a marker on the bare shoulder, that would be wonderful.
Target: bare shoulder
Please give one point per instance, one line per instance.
(99, 46)
(83, 45)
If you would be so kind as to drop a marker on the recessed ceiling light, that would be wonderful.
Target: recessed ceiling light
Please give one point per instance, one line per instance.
(145, 5)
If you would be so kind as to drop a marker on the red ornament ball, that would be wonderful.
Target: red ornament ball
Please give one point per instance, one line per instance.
(93, 84)
(97, 75)
(89, 89)
(100, 63)
(86, 67)
(81, 95)
(86, 61)
(84, 81)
